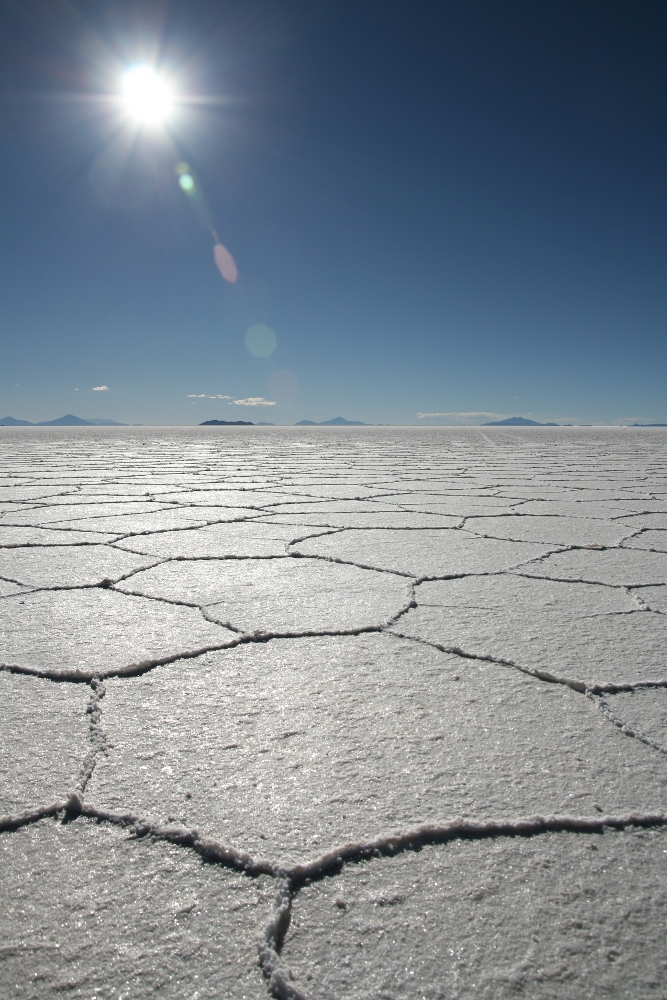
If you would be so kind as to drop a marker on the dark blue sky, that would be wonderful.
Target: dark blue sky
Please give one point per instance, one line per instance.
(438, 207)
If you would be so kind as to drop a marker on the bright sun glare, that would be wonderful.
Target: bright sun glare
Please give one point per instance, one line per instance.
(147, 96)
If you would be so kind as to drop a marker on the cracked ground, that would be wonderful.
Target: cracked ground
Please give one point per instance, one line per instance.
(373, 713)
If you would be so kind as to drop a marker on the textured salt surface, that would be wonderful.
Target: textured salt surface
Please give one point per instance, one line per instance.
(215, 541)
(7, 588)
(68, 566)
(277, 595)
(294, 757)
(559, 915)
(386, 519)
(423, 553)
(615, 567)
(92, 632)
(654, 598)
(18, 537)
(590, 634)
(405, 686)
(89, 911)
(44, 740)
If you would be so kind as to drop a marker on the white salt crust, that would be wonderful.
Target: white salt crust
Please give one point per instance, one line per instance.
(392, 685)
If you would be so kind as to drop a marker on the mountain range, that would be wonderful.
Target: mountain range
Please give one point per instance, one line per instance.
(336, 422)
(69, 420)
(517, 422)
(525, 422)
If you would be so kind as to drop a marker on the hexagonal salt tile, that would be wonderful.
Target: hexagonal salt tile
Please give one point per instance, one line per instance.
(556, 530)
(85, 633)
(68, 566)
(618, 567)
(290, 747)
(422, 553)
(278, 594)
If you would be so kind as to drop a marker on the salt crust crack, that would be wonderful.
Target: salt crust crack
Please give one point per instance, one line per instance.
(290, 879)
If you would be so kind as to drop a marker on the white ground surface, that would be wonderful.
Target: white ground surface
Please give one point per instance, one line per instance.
(368, 713)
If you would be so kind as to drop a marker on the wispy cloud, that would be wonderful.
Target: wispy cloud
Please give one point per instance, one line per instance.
(254, 401)
(461, 415)
(250, 401)
(100, 388)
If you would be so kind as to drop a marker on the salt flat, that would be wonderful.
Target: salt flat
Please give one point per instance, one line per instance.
(330, 713)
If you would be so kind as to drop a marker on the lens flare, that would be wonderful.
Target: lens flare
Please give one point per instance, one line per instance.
(147, 96)
(260, 341)
(225, 263)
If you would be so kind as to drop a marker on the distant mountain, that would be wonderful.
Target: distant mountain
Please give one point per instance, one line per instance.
(69, 420)
(631, 425)
(13, 422)
(342, 422)
(517, 422)
(226, 423)
(336, 422)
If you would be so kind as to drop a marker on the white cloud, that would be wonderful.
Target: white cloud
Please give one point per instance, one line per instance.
(250, 401)
(100, 388)
(460, 415)
(253, 401)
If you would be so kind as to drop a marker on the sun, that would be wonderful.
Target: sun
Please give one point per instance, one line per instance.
(148, 98)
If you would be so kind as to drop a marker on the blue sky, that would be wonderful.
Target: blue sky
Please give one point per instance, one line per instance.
(451, 208)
